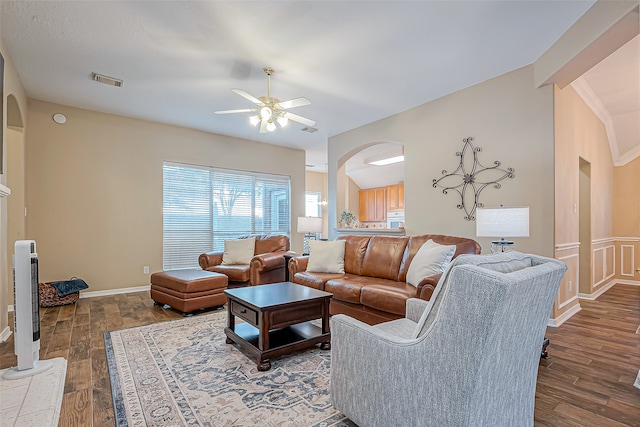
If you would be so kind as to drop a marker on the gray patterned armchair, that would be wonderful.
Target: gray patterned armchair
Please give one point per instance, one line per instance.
(467, 357)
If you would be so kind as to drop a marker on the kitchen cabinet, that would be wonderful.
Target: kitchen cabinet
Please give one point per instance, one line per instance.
(373, 204)
(395, 197)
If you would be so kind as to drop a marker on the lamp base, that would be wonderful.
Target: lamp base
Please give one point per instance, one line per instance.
(307, 237)
(502, 246)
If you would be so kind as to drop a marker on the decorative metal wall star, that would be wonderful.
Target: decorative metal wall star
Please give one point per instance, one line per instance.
(472, 184)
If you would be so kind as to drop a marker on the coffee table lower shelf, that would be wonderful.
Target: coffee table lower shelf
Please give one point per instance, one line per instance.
(281, 341)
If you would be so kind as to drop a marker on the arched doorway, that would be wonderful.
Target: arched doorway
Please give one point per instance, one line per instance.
(370, 168)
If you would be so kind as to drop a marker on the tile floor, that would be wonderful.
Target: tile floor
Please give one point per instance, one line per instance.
(33, 401)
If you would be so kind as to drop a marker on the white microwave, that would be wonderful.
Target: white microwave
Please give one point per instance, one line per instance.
(395, 219)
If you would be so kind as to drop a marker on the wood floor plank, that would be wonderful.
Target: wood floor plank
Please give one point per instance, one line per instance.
(78, 376)
(586, 418)
(101, 398)
(76, 409)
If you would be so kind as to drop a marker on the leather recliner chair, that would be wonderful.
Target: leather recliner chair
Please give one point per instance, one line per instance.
(267, 265)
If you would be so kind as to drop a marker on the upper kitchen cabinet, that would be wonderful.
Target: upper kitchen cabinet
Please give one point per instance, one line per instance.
(373, 204)
(395, 197)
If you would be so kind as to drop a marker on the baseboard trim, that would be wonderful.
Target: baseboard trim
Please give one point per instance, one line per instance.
(92, 294)
(604, 288)
(6, 333)
(554, 323)
(628, 282)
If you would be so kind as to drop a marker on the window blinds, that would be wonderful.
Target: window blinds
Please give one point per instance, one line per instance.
(203, 207)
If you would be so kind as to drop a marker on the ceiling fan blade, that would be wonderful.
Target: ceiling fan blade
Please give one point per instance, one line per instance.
(247, 96)
(299, 119)
(296, 102)
(263, 126)
(244, 110)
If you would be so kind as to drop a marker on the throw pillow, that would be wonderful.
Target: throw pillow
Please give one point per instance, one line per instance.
(326, 257)
(238, 251)
(430, 259)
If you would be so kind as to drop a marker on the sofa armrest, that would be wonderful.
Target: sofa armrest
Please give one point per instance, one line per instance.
(269, 261)
(298, 264)
(427, 286)
(210, 259)
(415, 308)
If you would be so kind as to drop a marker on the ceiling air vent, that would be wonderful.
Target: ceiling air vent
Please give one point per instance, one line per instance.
(111, 81)
(309, 129)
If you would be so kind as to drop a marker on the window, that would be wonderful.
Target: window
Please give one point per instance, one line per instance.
(203, 207)
(312, 205)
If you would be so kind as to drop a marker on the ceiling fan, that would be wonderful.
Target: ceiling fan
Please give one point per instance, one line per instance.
(270, 109)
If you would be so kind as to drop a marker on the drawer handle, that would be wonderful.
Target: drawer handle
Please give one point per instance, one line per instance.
(243, 311)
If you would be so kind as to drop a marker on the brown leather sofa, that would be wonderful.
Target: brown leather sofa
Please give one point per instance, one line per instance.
(373, 288)
(267, 265)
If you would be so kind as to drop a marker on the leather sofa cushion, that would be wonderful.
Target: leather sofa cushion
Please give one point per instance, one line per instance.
(388, 296)
(384, 256)
(347, 288)
(354, 250)
(314, 280)
(235, 273)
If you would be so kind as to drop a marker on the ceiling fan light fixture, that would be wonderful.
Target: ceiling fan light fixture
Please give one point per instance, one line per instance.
(267, 109)
(266, 113)
(282, 121)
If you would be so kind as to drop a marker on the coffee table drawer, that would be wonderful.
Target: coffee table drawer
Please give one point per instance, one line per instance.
(244, 312)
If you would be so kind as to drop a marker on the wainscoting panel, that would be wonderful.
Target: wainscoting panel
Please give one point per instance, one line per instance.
(627, 258)
(567, 301)
(569, 286)
(604, 264)
(597, 274)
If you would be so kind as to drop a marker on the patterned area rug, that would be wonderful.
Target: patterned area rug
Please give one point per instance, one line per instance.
(182, 373)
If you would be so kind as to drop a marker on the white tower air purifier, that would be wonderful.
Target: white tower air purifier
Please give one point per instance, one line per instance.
(26, 313)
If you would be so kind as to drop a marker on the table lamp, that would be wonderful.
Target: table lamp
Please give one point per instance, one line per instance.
(311, 226)
(502, 222)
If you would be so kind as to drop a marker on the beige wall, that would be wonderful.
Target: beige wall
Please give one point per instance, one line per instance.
(509, 119)
(13, 91)
(626, 199)
(94, 189)
(626, 219)
(580, 134)
(588, 247)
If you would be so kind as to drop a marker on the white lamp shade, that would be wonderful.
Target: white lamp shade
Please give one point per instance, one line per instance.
(503, 222)
(308, 224)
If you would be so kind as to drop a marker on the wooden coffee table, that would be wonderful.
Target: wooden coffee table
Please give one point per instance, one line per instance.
(277, 320)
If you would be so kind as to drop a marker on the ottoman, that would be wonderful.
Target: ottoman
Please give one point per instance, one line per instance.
(189, 290)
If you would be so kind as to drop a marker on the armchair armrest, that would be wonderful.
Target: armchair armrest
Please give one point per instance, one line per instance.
(267, 268)
(343, 326)
(210, 259)
(360, 363)
(269, 260)
(415, 308)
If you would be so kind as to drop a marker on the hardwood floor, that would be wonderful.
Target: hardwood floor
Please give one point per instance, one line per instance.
(595, 357)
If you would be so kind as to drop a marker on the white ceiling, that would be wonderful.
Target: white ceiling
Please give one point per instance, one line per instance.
(357, 61)
(613, 92)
